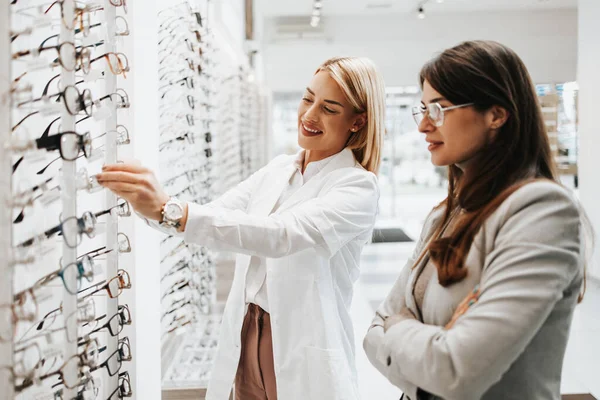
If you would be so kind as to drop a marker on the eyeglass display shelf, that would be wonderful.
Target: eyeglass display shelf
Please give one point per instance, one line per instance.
(188, 357)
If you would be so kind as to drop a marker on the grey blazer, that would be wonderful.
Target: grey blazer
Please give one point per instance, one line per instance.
(528, 263)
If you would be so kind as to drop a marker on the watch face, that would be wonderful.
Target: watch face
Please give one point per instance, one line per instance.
(173, 212)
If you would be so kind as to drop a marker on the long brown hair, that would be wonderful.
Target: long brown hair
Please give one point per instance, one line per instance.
(487, 74)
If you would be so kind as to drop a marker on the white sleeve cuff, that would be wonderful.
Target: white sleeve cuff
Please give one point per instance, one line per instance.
(156, 225)
(197, 226)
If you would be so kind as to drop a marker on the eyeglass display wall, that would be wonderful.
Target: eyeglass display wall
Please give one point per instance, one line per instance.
(186, 122)
(63, 331)
(213, 135)
(66, 252)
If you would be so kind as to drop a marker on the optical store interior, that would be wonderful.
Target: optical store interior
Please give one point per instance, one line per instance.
(97, 304)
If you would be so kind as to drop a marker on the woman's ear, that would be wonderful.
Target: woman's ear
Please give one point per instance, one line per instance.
(498, 117)
(359, 122)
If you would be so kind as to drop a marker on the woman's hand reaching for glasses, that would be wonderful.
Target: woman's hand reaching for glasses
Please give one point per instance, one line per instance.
(136, 184)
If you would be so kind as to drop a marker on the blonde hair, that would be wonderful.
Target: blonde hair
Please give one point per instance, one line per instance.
(363, 86)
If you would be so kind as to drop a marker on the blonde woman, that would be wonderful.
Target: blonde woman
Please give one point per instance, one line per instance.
(299, 225)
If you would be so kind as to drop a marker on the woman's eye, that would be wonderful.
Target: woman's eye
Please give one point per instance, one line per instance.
(329, 110)
(307, 100)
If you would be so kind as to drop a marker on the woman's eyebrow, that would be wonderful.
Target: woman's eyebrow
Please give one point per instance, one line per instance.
(337, 103)
(437, 99)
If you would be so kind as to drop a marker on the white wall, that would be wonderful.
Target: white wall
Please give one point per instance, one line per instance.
(589, 141)
(228, 21)
(547, 42)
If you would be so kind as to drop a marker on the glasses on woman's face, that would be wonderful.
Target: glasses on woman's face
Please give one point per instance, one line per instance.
(435, 112)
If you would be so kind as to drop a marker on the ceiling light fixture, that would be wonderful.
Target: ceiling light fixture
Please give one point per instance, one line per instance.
(316, 13)
(421, 14)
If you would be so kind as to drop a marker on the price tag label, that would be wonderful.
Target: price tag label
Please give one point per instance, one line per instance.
(50, 107)
(42, 20)
(42, 394)
(93, 76)
(95, 36)
(98, 269)
(100, 228)
(52, 351)
(97, 154)
(37, 63)
(103, 110)
(44, 293)
(49, 197)
(36, 156)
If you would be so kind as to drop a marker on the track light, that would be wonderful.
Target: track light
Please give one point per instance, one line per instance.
(316, 13)
(421, 14)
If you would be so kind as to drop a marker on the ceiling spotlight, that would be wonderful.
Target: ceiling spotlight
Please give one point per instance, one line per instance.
(440, 1)
(316, 13)
(421, 13)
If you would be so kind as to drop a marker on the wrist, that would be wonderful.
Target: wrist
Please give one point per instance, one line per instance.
(158, 214)
(183, 222)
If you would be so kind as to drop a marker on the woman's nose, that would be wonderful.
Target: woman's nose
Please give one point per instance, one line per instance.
(426, 126)
(311, 114)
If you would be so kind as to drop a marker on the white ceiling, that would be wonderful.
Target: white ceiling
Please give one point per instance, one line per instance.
(277, 8)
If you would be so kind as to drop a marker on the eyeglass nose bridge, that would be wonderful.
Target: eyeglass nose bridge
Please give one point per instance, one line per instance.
(123, 242)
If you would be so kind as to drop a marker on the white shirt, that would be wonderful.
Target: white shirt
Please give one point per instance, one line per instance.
(256, 283)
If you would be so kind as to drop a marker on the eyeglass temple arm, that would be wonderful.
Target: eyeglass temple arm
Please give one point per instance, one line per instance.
(98, 287)
(99, 250)
(41, 171)
(50, 142)
(41, 324)
(23, 120)
(48, 38)
(57, 95)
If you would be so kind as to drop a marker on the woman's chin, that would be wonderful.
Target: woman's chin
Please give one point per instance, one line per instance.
(308, 143)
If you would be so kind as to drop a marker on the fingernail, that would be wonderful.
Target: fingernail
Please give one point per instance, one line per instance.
(471, 303)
